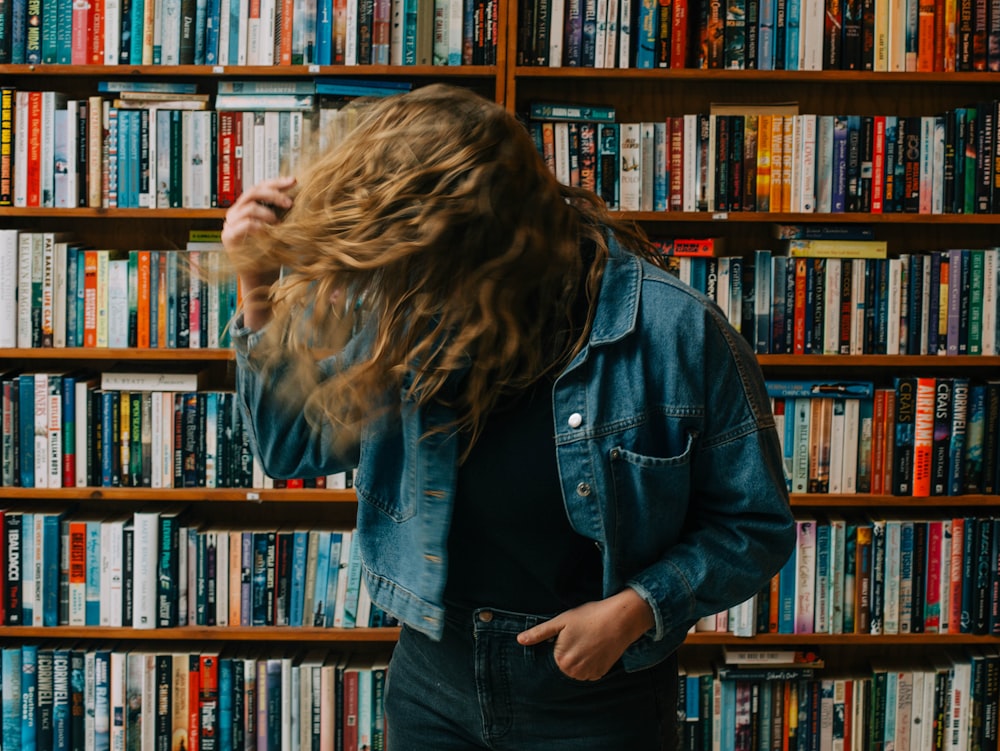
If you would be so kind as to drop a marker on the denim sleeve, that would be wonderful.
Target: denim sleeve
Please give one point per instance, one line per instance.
(285, 442)
(739, 529)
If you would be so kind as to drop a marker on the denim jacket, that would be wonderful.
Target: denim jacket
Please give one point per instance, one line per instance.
(665, 445)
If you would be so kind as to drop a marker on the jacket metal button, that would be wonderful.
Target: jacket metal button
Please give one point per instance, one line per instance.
(583, 489)
(486, 616)
(615, 454)
(575, 420)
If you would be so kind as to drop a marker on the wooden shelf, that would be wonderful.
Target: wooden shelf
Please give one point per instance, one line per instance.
(102, 213)
(855, 640)
(107, 353)
(251, 71)
(756, 217)
(960, 362)
(185, 495)
(867, 501)
(206, 633)
(697, 75)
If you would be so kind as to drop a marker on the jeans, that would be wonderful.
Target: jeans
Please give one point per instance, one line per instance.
(479, 689)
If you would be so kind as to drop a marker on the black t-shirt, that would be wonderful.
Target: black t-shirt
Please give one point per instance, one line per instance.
(511, 545)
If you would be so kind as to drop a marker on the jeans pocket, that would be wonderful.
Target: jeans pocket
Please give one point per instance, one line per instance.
(553, 666)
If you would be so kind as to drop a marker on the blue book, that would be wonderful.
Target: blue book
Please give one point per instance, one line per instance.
(975, 425)
(137, 10)
(319, 606)
(906, 565)
(93, 580)
(64, 32)
(80, 300)
(337, 562)
(727, 715)
(10, 690)
(109, 476)
(793, 14)
(49, 26)
(762, 301)
(29, 697)
(786, 596)
(102, 700)
(779, 286)
(26, 428)
(234, 33)
(646, 33)
(765, 35)
(61, 738)
(51, 534)
(76, 699)
(850, 575)
(224, 725)
(165, 87)
(324, 32)
(171, 298)
(835, 389)
(72, 266)
(409, 32)
(296, 596)
(18, 31)
(201, 23)
(823, 577)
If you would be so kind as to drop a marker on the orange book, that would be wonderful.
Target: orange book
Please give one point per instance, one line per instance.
(77, 547)
(161, 299)
(143, 300)
(285, 32)
(799, 316)
(878, 165)
(787, 154)
(90, 298)
(777, 160)
(33, 183)
(764, 162)
(878, 443)
(773, 603)
(925, 36)
(948, 60)
(923, 437)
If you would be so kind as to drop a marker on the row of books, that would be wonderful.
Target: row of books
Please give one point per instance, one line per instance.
(156, 568)
(922, 437)
(881, 36)
(746, 158)
(870, 574)
(87, 697)
(948, 704)
(54, 292)
(822, 297)
(240, 32)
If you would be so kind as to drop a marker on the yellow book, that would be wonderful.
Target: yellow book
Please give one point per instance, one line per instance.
(788, 127)
(838, 248)
(764, 162)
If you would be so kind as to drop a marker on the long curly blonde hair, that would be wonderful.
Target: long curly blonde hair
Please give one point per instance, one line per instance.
(437, 219)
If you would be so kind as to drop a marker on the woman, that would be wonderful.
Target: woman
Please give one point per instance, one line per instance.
(564, 456)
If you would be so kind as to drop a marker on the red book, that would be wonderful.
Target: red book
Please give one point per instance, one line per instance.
(923, 437)
(95, 44)
(284, 56)
(77, 548)
(90, 298)
(143, 301)
(954, 604)
(878, 442)
(351, 707)
(208, 701)
(81, 24)
(878, 165)
(679, 35)
(194, 698)
(33, 183)
(932, 592)
(226, 155)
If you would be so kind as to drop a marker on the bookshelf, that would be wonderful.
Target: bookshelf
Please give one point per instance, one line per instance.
(639, 95)
(649, 95)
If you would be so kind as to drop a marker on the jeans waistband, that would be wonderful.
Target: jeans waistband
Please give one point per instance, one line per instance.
(493, 619)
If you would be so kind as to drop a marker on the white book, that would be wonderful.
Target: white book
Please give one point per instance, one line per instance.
(225, 11)
(21, 121)
(144, 576)
(41, 430)
(59, 286)
(167, 439)
(894, 308)
(118, 311)
(66, 178)
(243, 35)
(625, 33)
(925, 737)
(690, 197)
(351, 40)
(831, 307)
(989, 321)
(170, 35)
(824, 164)
(112, 33)
(222, 579)
(557, 15)
(116, 561)
(561, 138)
(103, 259)
(396, 33)
(852, 428)
(630, 180)
(811, 26)
(25, 261)
(857, 309)
(439, 47)
(795, 173)
(9, 278)
(837, 427)
(272, 145)
(161, 199)
(267, 32)
(895, 36)
(838, 539)
(807, 165)
(611, 37)
(157, 430)
(82, 391)
(196, 162)
(51, 101)
(960, 704)
(339, 606)
(54, 450)
(805, 581)
(601, 35)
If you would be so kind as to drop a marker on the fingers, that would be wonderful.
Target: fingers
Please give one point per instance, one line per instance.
(541, 632)
(256, 207)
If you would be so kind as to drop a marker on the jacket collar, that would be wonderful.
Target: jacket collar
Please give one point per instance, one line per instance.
(618, 305)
